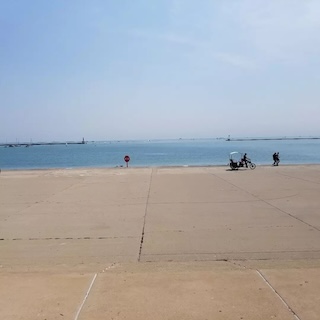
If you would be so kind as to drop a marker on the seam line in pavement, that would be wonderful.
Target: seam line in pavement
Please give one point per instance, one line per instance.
(145, 216)
(278, 295)
(293, 177)
(85, 297)
(291, 215)
(235, 252)
(48, 197)
(266, 202)
(67, 238)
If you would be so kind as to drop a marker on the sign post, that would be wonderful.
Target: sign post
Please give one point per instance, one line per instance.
(126, 159)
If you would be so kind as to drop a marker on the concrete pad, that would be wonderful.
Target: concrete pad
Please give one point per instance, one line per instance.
(71, 220)
(266, 183)
(304, 206)
(37, 254)
(79, 185)
(232, 242)
(191, 187)
(209, 216)
(31, 189)
(189, 293)
(279, 264)
(8, 209)
(113, 189)
(310, 173)
(300, 288)
(86, 220)
(31, 296)
(225, 230)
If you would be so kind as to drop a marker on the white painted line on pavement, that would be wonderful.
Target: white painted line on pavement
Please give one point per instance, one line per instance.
(275, 291)
(85, 297)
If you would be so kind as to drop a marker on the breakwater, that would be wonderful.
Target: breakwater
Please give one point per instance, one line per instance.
(30, 144)
(272, 139)
(25, 144)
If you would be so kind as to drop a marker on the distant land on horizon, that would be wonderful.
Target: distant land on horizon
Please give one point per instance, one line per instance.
(83, 141)
(273, 138)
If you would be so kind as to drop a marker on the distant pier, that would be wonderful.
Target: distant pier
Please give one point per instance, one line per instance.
(272, 139)
(30, 144)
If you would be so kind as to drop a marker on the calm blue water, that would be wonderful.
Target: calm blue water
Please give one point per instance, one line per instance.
(157, 153)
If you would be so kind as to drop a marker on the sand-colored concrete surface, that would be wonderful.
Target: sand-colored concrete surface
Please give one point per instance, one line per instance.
(299, 288)
(41, 295)
(190, 291)
(160, 243)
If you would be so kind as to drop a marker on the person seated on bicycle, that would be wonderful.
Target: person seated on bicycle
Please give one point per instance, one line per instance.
(245, 160)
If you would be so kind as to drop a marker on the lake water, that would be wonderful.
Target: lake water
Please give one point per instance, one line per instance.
(200, 152)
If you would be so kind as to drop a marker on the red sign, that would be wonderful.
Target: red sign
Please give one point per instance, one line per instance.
(126, 158)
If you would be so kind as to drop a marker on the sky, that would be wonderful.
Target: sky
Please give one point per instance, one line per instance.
(158, 69)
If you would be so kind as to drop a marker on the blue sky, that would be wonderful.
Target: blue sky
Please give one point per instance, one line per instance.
(143, 69)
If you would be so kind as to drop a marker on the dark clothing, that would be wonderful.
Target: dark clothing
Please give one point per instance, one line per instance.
(276, 159)
(245, 160)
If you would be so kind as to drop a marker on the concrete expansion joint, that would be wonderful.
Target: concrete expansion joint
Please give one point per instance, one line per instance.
(67, 238)
(272, 205)
(141, 243)
(237, 263)
(145, 216)
(206, 202)
(277, 294)
(286, 175)
(292, 216)
(85, 297)
(111, 266)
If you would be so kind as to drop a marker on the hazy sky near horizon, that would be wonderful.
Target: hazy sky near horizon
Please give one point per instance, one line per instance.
(147, 69)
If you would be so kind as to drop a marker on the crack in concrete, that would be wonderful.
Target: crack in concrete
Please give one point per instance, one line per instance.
(145, 216)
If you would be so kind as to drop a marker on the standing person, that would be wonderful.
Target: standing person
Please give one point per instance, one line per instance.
(277, 159)
(274, 157)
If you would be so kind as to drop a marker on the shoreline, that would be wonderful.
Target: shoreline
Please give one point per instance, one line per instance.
(154, 167)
